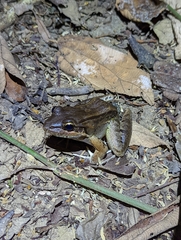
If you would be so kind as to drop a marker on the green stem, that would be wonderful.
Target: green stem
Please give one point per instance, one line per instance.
(174, 12)
(79, 180)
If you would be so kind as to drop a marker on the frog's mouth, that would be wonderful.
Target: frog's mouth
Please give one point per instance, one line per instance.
(59, 132)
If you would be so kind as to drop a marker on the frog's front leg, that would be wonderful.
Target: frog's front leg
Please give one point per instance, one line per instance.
(118, 133)
(100, 149)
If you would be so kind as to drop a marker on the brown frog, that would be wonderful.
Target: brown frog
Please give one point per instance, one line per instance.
(89, 121)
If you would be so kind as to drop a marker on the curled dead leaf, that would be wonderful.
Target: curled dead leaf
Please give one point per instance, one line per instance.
(140, 10)
(11, 79)
(15, 90)
(103, 67)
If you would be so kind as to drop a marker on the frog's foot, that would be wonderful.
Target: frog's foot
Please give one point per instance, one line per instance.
(100, 149)
(92, 158)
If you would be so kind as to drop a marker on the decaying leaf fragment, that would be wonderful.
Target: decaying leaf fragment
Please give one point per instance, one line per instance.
(176, 25)
(141, 136)
(103, 67)
(167, 75)
(155, 224)
(11, 79)
(70, 10)
(140, 10)
(42, 29)
(164, 31)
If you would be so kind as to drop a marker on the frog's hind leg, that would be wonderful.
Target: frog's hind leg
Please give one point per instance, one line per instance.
(118, 134)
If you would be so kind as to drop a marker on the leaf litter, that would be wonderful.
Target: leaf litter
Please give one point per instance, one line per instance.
(44, 204)
(103, 67)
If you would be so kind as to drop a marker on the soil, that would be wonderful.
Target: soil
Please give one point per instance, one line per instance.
(44, 205)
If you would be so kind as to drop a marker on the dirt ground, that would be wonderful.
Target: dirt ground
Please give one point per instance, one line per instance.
(35, 203)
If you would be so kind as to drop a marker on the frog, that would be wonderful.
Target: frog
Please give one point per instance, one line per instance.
(91, 121)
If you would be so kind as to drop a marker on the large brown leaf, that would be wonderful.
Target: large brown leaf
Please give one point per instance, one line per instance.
(103, 67)
(140, 10)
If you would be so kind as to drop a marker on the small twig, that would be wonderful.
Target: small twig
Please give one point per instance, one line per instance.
(58, 72)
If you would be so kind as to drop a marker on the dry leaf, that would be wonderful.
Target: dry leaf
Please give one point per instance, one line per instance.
(90, 228)
(141, 136)
(2, 75)
(10, 77)
(176, 24)
(34, 134)
(164, 31)
(22, 7)
(42, 29)
(103, 67)
(120, 167)
(71, 11)
(140, 10)
(178, 146)
(14, 89)
(154, 224)
(167, 75)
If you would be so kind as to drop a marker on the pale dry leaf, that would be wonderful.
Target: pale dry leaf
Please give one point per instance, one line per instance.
(61, 233)
(177, 29)
(176, 24)
(178, 145)
(10, 74)
(42, 29)
(22, 7)
(5, 172)
(141, 136)
(90, 228)
(164, 31)
(2, 75)
(4, 221)
(34, 134)
(140, 10)
(17, 225)
(103, 67)
(8, 59)
(71, 11)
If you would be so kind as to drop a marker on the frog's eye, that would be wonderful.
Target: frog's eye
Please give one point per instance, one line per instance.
(69, 126)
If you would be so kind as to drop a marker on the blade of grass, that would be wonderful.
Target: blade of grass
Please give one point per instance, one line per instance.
(79, 180)
(174, 12)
